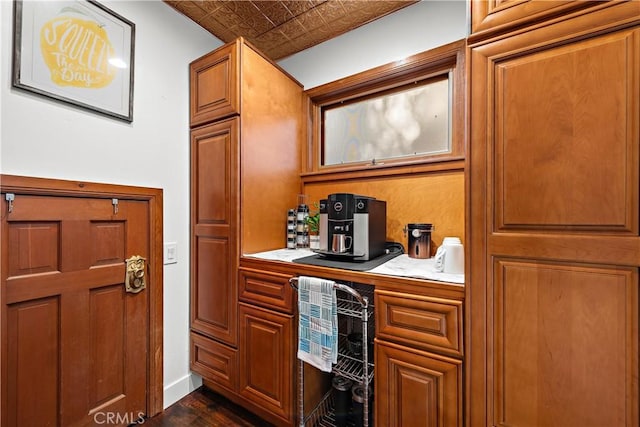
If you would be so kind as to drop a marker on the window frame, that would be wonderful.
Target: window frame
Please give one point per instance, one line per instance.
(444, 60)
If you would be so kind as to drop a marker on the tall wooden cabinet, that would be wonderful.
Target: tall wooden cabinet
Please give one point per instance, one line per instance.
(246, 131)
(553, 190)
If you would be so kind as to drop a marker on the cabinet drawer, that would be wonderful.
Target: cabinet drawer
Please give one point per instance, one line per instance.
(418, 321)
(214, 361)
(269, 290)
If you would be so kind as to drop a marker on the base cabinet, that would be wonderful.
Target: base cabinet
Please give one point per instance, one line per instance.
(267, 360)
(416, 388)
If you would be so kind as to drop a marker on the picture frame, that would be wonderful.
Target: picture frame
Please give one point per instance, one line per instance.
(77, 52)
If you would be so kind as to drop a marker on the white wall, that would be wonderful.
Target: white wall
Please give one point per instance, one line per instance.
(40, 137)
(413, 29)
(43, 138)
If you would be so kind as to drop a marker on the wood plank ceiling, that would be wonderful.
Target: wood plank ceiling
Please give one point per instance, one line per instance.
(282, 28)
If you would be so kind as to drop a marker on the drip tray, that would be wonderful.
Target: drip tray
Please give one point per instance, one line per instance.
(346, 264)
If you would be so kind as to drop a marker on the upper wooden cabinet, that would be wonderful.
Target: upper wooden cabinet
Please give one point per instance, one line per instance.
(552, 299)
(215, 91)
(493, 17)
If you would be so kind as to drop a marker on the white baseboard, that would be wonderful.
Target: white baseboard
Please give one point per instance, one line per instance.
(179, 389)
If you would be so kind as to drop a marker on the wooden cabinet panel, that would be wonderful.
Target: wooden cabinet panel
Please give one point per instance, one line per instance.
(214, 361)
(272, 133)
(214, 308)
(552, 305)
(268, 290)
(267, 360)
(420, 321)
(491, 17)
(559, 129)
(214, 195)
(562, 334)
(213, 159)
(214, 85)
(417, 389)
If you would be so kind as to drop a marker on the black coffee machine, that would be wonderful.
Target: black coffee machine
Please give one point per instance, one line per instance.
(352, 226)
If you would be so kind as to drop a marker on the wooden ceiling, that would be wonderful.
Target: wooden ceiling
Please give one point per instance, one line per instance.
(281, 28)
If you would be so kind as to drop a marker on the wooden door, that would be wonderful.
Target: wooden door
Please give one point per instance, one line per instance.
(553, 294)
(74, 342)
(416, 389)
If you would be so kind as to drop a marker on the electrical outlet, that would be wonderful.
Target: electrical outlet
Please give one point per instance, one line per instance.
(170, 253)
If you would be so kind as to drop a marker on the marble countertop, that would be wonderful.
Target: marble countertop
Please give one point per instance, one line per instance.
(401, 266)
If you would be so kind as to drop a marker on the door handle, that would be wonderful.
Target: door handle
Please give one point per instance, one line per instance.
(134, 281)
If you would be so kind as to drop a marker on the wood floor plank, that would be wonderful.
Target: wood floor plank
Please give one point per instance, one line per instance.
(204, 408)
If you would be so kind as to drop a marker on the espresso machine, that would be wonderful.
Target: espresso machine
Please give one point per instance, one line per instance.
(352, 227)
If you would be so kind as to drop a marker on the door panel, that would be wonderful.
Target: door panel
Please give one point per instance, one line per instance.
(107, 346)
(417, 389)
(75, 338)
(561, 336)
(34, 330)
(266, 358)
(559, 129)
(34, 248)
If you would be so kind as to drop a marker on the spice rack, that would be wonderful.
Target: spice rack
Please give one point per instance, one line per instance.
(354, 310)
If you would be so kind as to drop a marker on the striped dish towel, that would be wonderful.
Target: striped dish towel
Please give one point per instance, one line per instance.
(318, 322)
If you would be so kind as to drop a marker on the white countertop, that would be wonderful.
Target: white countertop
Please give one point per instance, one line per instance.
(401, 266)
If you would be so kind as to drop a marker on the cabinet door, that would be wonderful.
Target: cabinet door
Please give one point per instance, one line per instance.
(490, 17)
(214, 85)
(416, 389)
(553, 294)
(267, 360)
(214, 219)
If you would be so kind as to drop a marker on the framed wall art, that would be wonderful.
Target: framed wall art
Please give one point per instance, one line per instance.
(78, 52)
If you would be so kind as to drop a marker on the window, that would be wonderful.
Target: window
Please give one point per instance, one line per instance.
(405, 113)
(413, 120)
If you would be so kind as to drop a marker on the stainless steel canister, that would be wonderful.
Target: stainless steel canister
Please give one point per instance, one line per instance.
(419, 236)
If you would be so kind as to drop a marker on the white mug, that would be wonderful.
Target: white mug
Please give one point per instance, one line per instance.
(450, 256)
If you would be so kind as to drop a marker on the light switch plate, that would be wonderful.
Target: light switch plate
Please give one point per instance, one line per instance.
(170, 253)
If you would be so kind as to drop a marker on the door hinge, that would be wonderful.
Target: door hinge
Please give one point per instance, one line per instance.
(9, 197)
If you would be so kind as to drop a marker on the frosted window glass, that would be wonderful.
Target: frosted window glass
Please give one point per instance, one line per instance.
(413, 121)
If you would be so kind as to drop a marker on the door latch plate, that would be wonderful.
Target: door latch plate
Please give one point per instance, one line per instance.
(135, 275)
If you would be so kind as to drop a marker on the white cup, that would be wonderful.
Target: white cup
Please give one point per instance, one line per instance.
(450, 256)
(451, 241)
(454, 259)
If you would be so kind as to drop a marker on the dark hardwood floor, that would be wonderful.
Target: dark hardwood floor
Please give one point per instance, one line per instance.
(204, 408)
